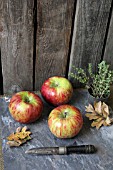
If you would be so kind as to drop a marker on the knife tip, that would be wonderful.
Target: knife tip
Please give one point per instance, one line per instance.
(27, 151)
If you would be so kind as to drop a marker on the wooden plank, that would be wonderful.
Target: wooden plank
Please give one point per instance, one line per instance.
(17, 44)
(54, 21)
(108, 54)
(1, 78)
(1, 29)
(88, 35)
(1, 7)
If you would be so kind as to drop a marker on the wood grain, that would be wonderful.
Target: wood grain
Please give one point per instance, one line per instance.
(17, 44)
(108, 55)
(88, 35)
(54, 21)
(1, 81)
(1, 28)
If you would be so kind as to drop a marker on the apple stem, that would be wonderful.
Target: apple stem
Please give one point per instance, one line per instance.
(54, 84)
(26, 100)
(65, 114)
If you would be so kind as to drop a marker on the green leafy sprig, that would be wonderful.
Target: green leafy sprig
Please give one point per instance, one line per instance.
(99, 83)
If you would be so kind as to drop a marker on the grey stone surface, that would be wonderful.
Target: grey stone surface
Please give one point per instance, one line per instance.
(16, 159)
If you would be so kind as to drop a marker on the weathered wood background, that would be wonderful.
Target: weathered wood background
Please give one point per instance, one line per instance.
(43, 38)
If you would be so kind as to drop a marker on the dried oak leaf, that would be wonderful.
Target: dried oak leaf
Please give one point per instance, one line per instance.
(13, 143)
(19, 137)
(99, 113)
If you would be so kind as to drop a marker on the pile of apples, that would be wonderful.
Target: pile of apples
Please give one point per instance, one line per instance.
(64, 121)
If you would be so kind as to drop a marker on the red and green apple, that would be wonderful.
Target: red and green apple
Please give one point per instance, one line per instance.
(25, 107)
(65, 121)
(57, 90)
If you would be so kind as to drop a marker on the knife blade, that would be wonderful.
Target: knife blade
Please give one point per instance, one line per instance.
(63, 150)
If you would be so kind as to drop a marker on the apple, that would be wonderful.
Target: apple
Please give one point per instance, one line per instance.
(57, 90)
(25, 107)
(65, 121)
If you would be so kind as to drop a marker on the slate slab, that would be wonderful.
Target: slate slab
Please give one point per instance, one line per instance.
(16, 159)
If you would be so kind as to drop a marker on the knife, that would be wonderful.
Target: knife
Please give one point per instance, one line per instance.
(63, 150)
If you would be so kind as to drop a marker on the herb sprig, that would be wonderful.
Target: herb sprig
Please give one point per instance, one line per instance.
(99, 83)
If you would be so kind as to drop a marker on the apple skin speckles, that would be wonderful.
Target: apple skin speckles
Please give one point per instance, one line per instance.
(57, 90)
(25, 107)
(65, 121)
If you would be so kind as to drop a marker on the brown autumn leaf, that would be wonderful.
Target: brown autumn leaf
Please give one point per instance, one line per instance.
(99, 114)
(13, 143)
(19, 137)
(90, 108)
(98, 107)
(18, 129)
(91, 116)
